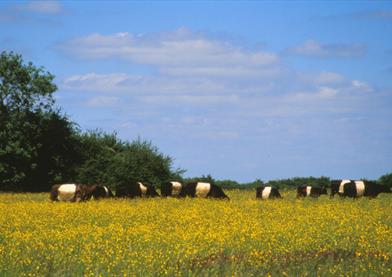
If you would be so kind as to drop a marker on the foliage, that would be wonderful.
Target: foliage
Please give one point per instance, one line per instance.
(36, 142)
(204, 178)
(109, 161)
(386, 180)
(225, 184)
(39, 146)
(196, 237)
(300, 181)
(24, 88)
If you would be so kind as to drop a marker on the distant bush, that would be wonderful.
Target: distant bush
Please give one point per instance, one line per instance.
(109, 161)
(300, 181)
(386, 180)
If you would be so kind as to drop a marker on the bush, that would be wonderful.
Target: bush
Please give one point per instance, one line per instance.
(386, 180)
(109, 161)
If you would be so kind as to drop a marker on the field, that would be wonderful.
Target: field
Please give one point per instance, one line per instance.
(196, 237)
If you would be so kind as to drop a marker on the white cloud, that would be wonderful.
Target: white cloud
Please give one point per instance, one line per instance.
(360, 86)
(45, 7)
(312, 48)
(324, 78)
(326, 92)
(190, 99)
(103, 101)
(139, 84)
(381, 14)
(194, 70)
(251, 99)
(178, 53)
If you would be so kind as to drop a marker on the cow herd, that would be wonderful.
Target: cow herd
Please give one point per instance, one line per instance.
(79, 192)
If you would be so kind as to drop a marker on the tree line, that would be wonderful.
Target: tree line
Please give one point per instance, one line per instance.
(41, 146)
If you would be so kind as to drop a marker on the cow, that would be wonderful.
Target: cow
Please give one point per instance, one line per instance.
(171, 189)
(267, 192)
(203, 190)
(72, 192)
(136, 189)
(303, 191)
(102, 192)
(357, 188)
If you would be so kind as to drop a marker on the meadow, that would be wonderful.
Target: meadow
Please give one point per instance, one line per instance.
(196, 237)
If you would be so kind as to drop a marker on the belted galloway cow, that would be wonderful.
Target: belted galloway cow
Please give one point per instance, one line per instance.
(267, 192)
(203, 190)
(304, 191)
(102, 192)
(136, 189)
(357, 188)
(72, 192)
(171, 189)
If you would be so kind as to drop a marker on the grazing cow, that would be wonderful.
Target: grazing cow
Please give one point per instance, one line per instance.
(303, 191)
(171, 189)
(72, 192)
(267, 192)
(357, 188)
(136, 189)
(337, 186)
(102, 192)
(203, 190)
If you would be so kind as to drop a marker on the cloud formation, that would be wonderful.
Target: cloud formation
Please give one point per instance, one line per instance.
(44, 7)
(192, 69)
(177, 53)
(207, 95)
(33, 12)
(312, 48)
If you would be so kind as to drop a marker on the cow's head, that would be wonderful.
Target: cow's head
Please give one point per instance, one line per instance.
(102, 192)
(87, 191)
(151, 191)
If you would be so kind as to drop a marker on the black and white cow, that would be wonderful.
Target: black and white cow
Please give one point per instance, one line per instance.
(357, 188)
(136, 189)
(267, 192)
(203, 190)
(303, 191)
(72, 192)
(171, 189)
(102, 192)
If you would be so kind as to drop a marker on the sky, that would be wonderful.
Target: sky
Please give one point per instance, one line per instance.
(240, 90)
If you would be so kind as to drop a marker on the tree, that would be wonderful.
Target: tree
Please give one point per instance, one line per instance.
(97, 150)
(36, 142)
(40, 146)
(386, 179)
(109, 161)
(23, 87)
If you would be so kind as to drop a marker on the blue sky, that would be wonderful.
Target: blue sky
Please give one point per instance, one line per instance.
(239, 90)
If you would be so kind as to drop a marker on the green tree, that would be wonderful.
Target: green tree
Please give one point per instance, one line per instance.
(109, 161)
(98, 151)
(386, 180)
(40, 146)
(36, 142)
